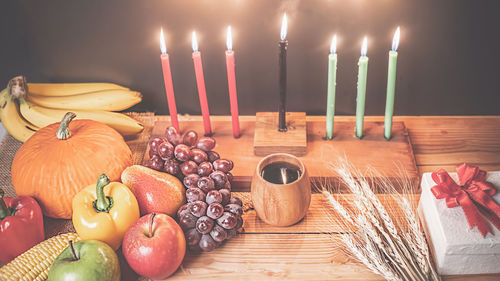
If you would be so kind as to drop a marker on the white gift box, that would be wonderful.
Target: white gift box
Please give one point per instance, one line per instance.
(456, 248)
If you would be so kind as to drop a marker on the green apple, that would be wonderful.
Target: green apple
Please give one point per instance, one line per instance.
(90, 260)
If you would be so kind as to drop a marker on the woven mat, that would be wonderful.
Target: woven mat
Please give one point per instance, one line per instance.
(9, 147)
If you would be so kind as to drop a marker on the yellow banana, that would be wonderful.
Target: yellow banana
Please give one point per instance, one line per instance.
(109, 100)
(12, 120)
(42, 117)
(69, 89)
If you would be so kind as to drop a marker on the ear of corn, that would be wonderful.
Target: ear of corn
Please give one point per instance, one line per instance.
(34, 264)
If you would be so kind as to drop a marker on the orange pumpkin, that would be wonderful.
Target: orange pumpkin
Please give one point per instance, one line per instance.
(59, 160)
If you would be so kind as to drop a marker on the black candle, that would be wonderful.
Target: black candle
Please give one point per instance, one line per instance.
(282, 79)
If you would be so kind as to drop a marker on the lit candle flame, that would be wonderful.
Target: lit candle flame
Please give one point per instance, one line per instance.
(333, 45)
(229, 39)
(284, 27)
(163, 47)
(364, 47)
(395, 40)
(283, 175)
(195, 42)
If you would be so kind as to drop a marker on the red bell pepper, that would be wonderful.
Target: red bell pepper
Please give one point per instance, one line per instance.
(21, 226)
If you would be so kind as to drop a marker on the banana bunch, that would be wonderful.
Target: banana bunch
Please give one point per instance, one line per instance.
(27, 107)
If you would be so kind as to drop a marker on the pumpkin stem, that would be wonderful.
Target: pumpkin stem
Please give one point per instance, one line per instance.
(17, 87)
(63, 132)
(103, 203)
(4, 210)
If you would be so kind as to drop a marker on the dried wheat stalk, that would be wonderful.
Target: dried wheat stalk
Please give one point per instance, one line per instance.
(396, 249)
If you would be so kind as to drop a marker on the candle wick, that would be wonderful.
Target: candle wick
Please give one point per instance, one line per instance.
(283, 175)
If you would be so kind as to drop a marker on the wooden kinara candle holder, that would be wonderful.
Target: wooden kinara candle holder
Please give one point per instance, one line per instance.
(260, 135)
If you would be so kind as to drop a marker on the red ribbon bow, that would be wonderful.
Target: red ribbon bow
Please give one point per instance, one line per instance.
(473, 194)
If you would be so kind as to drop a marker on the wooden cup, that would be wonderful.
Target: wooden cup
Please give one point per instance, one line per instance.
(281, 204)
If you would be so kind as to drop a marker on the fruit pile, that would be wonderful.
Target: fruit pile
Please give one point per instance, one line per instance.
(211, 215)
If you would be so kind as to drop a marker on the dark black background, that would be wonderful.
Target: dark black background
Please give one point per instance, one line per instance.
(448, 56)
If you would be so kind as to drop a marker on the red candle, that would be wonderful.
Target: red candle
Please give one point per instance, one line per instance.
(231, 83)
(167, 78)
(200, 82)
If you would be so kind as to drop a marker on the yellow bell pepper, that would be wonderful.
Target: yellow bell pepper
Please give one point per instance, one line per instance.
(104, 211)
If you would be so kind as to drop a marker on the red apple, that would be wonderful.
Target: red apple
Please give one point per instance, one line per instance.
(154, 246)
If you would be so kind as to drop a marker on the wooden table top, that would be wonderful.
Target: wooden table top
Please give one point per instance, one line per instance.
(303, 251)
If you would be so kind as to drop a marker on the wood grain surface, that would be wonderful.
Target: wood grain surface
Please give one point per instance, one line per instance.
(303, 251)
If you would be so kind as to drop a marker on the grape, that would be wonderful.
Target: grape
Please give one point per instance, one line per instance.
(183, 210)
(239, 223)
(227, 186)
(230, 177)
(171, 166)
(198, 155)
(207, 244)
(210, 215)
(204, 224)
(155, 158)
(165, 150)
(236, 200)
(206, 143)
(187, 221)
(188, 168)
(195, 248)
(231, 164)
(198, 208)
(213, 196)
(151, 153)
(218, 233)
(205, 169)
(226, 195)
(223, 165)
(191, 181)
(231, 233)
(212, 156)
(227, 220)
(234, 208)
(206, 184)
(215, 210)
(156, 163)
(154, 143)
(219, 178)
(182, 152)
(195, 194)
(192, 237)
(190, 138)
(173, 136)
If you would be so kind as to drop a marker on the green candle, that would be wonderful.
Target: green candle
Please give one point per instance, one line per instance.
(391, 85)
(360, 99)
(332, 83)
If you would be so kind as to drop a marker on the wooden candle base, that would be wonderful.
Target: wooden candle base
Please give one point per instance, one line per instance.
(268, 139)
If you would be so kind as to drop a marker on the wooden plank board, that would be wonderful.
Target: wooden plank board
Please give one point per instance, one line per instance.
(281, 257)
(317, 218)
(273, 257)
(387, 157)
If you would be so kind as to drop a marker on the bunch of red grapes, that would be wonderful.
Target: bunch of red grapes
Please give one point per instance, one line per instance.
(211, 215)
